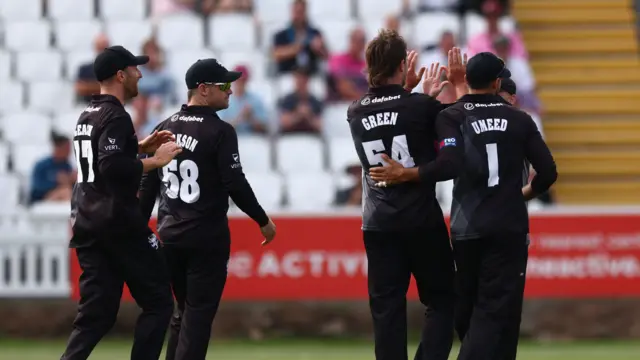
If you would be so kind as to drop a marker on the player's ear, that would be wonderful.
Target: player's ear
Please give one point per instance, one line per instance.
(498, 84)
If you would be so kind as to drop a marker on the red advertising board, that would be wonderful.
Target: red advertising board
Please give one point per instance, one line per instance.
(322, 258)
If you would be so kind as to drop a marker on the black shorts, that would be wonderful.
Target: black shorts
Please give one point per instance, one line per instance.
(424, 253)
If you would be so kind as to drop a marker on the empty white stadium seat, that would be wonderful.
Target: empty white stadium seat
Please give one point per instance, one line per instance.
(317, 86)
(130, 34)
(5, 65)
(334, 121)
(232, 32)
(27, 35)
(26, 127)
(342, 154)
(76, 35)
(318, 9)
(296, 153)
(50, 95)
(310, 190)
(254, 60)
(336, 33)
(65, 123)
(268, 187)
(255, 153)
(25, 156)
(39, 66)
(12, 95)
(436, 23)
(269, 96)
(123, 9)
(475, 24)
(179, 61)
(371, 9)
(74, 60)
(70, 9)
(11, 187)
(173, 30)
(272, 10)
(4, 158)
(20, 9)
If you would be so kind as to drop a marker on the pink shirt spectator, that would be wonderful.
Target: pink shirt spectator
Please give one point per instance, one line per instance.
(484, 42)
(345, 66)
(160, 8)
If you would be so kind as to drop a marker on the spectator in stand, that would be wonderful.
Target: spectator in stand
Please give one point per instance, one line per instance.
(300, 44)
(521, 74)
(156, 89)
(234, 6)
(53, 177)
(439, 54)
(492, 10)
(300, 111)
(438, 5)
(160, 8)
(86, 84)
(351, 196)
(347, 81)
(246, 112)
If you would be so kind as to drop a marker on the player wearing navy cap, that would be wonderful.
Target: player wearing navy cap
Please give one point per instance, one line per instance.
(194, 192)
(111, 237)
(486, 145)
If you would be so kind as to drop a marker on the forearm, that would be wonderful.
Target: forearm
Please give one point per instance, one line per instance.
(149, 164)
(285, 52)
(445, 167)
(461, 90)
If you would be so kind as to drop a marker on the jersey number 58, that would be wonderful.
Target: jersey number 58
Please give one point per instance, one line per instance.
(188, 189)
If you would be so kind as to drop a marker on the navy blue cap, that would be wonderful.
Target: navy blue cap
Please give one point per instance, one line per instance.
(508, 86)
(484, 68)
(113, 59)
(209, 71)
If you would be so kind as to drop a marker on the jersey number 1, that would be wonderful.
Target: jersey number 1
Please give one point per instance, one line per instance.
(83, 150)
(493, 164)
(188, 190)
(399, 151)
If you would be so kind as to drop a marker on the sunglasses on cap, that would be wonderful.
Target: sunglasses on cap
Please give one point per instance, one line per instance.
(221, 86)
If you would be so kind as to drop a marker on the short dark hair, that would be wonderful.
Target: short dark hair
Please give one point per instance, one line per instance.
(191, 93)
(59, 139)
(384, 55)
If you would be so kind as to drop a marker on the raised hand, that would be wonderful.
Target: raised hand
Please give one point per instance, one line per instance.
(432, 85)
(457, 68)
(413, 77)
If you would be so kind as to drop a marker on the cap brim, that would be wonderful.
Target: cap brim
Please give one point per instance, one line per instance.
(232, 76)
(505, 73)
(141, 60)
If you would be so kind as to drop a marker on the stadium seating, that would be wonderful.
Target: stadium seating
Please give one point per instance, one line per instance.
(76, 35)
(172, 31)
(590, 100)
(558, 35)
(308, 190)
(64, 10)
(123, 9)
(296, 153)
(268, 187)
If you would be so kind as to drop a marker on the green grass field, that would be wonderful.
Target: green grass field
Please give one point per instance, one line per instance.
(317, 350)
